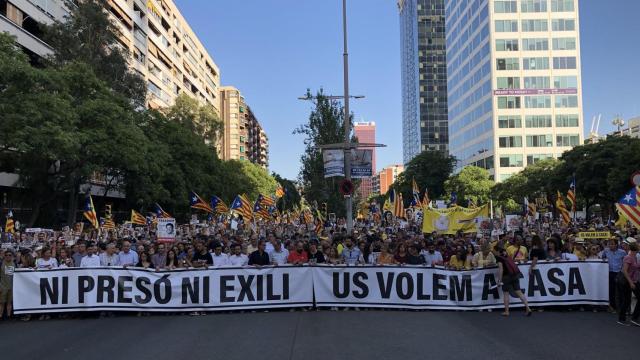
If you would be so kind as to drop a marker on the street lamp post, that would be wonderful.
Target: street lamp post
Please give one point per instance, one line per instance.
(347, 120)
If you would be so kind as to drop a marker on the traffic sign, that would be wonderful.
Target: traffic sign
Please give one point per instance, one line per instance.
(346, 187)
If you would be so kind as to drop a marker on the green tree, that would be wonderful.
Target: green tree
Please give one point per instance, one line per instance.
(201, 119)
(430, 169)
(470, 184)
(325, 126)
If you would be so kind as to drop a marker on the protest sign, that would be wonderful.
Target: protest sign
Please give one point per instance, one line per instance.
(594, 235)
(130, 289)
(452, 220)
(361, 163)
(416, 287)
(333, 162)
(166, 230)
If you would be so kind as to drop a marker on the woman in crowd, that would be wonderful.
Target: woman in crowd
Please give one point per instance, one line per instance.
(401, 254)
(26, 260)
(461, 259)
(46, 261)
(509, 275)
(567, 252)
(64, 260)
(579, 250)
(628, 282)
(385, 257)
(553, 251)
(537, 253)
(144, 261)
(594, 252)
(172, 260)
(334, 258)
(484, 257)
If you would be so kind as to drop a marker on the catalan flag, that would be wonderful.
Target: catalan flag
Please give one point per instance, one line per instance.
(266, 200)
(218, 205)
(529, 208)
(108, 222)
(280, 192)
(160, 212)
(562, 209)
(425, 198)
(571, 194)
(9, 226)
(260, 210)
(396, 202)
(90, 213)
(242, 206)
(628, 206)
(416, 195)
(307, 217)
(137, 218)
(319, 226)
(196, 202)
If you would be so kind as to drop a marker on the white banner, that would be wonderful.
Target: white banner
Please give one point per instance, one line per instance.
(333, 162)
(166, 230)
(119, 289)
(419, 287)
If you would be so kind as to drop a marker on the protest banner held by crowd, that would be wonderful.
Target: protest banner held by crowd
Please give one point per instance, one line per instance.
(251, 256)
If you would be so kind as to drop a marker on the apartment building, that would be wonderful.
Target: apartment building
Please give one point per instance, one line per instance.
(388, 176)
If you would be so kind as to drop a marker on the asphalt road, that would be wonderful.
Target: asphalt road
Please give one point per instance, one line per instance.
(325, 335)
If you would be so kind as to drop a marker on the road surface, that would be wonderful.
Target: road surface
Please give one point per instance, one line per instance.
(325, 335)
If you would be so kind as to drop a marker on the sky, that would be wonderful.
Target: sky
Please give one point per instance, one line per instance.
(274, 50)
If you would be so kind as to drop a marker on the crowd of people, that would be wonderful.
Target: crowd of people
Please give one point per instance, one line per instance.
(215, 244)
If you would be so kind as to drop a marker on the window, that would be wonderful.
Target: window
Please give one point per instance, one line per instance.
(528, 6)
(566, 101)
(509, 122)
(568, 140)
(507, 45)
(241, 148)
(535, 44)
(535, 25)
(538, 102)
(508, 102)
(564, 62)
(506, 25)
(567, 121)
(508, 64)
(506, 6)
(538, 121)
(535, 63)
(241, 138)
(565, 82)
(534, 158)
(138, 55)
(510, 141)
(563, 24)
(514, 160)
(536, 82)
(562, 5)
(508, 83)
(564, 44)
(504, 177)
(539, 140)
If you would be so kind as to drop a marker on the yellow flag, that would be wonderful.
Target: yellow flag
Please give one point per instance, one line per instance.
(452, 220)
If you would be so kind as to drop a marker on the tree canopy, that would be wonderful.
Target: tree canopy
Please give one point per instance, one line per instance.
(430, 170)
(470, 184)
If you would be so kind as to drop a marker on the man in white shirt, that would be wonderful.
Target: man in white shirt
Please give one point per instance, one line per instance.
(127, 257)
(432, 256)
(238, 258)
(279, 255)
(109, 256)
(219, 258)
(91, 259)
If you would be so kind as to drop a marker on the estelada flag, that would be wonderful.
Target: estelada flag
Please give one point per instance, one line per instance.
(137, 218)
(9, 226)
(218, 205)
(90, 213)
(628, 206)
(562, 209)
(160, 212)
(242, 206)
(196, 202)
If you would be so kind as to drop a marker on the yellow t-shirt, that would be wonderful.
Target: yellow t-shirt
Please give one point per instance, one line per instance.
(521, 255)
(459, 264)
(340, 247)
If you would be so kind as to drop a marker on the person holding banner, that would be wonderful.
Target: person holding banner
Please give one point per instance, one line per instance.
(629, 282)
(7, 269)
(510, 274)
(614, 256)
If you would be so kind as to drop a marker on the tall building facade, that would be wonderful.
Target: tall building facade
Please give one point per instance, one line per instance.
(514, 82)
(244, 137)
(165, 51)
(424, 77)
(388, 176)
(366, 133)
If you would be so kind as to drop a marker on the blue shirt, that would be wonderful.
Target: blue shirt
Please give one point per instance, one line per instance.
(351, 256)
(614, 258)
(130, 258)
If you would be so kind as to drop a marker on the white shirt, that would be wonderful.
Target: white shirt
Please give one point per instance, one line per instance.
(90, 261)
(41, 263)
(220, 260)
(432, 259)
(238, 260)
(279, 257)
(569, 257)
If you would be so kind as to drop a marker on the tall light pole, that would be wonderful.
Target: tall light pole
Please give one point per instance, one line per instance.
(347, 120)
